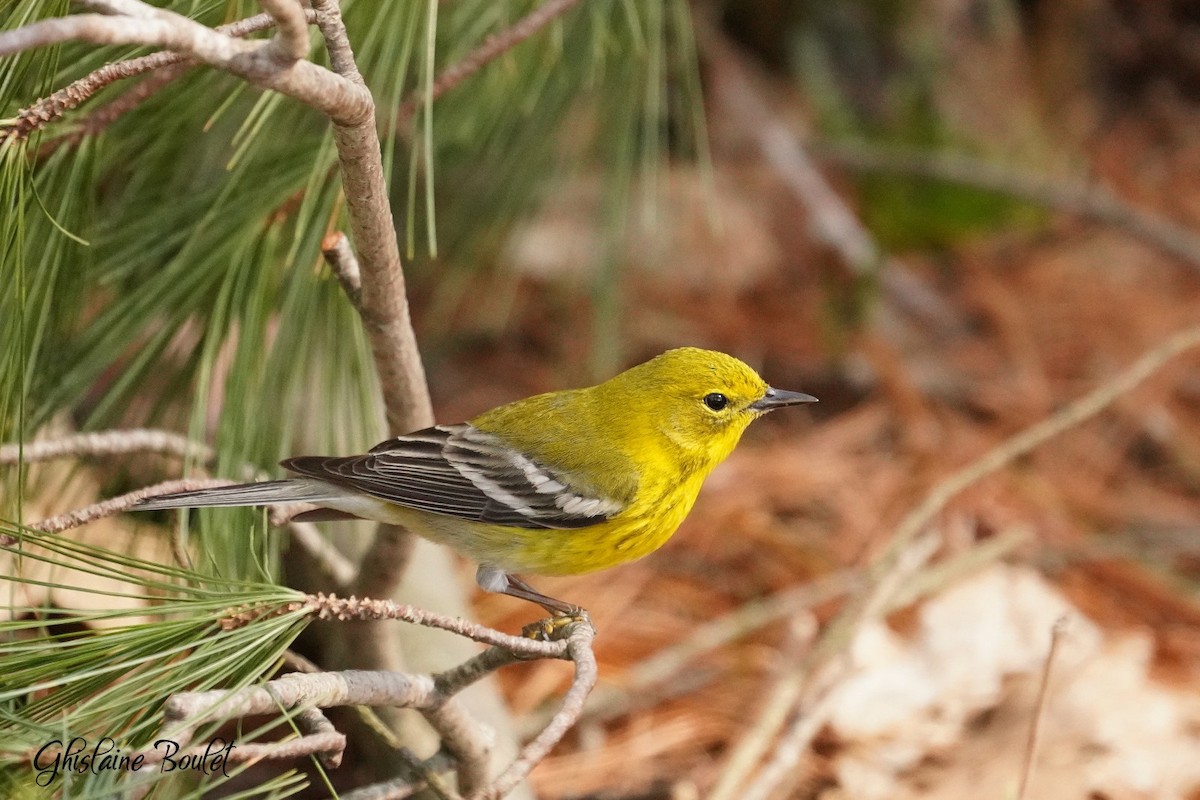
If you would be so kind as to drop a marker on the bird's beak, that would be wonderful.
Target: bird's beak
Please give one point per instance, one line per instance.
(778, 398)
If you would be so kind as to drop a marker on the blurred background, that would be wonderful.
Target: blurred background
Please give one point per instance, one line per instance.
(946, 219)
(910, 223)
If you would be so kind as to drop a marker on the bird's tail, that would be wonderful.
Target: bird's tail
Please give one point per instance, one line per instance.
(290, 490)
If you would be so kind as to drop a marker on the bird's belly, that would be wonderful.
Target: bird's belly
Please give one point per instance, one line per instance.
(539, 551)
(635, 533)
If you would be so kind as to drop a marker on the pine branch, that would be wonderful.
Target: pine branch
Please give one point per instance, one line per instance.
(434, 696)
(260, 63)
(107, 443)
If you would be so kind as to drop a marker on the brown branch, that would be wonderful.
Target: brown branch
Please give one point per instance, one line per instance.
(579, 651)
(670, 672)
(99, 120)
(492, 48)
(395, 789)
(383, 308)
(435, 696)
(290, 42)
(1090, 202)
(341, 259)
(329, 607)
(54, 106)
(466, 740)
(297, 690)
(1069, 416)
(108, 443)
(832, 223)
(255, 61)
(121, 503)
(475, 669)
(344, 98)
(327, 558)
(330, 561)
(312, 722)
(328, 747)
(1035, 725)
(167, 67)
(425, 773)
(384, 305)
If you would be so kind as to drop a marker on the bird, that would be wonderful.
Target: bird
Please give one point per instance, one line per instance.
(562, 483)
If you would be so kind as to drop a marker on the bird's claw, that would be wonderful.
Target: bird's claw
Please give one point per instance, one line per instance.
(557, 627)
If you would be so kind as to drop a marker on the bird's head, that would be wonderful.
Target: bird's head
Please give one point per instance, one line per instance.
(702, 399)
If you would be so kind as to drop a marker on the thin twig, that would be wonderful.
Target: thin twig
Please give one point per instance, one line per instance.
(1091, 202)
(327, 606)
(290, 42)
(383, 305)
(672, 667)
(298, 689)
(304, 535)
(382, 565)
(108, 443)
(312, 722)
(830, 220)
(122, 503)
(492, 47)
(435, 696)
(341, 259)
(937, 576)
(99, 120)
(332, 563)
(1035, 726)
(342, 101)
(329, 747)
(475, 669)
(395, 789)
(168, 66)
(423, 773)
(298, 663)
(144, 440)
(186, 711)
(579, 651)
(466, 740)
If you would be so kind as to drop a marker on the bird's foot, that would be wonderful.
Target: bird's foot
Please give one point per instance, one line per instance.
(557, 627)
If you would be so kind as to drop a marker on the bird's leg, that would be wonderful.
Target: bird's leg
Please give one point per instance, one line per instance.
(519, 588)
(563, 614)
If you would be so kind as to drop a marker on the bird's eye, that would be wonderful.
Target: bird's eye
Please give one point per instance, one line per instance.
(716, 401)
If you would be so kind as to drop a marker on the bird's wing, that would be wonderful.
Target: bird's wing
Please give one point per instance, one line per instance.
(461, 471)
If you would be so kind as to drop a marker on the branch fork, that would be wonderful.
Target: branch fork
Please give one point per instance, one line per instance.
(435, 696)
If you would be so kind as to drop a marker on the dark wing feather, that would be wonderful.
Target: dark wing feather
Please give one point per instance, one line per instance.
(461, 471)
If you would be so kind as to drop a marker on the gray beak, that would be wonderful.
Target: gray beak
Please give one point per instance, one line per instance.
(778, 398)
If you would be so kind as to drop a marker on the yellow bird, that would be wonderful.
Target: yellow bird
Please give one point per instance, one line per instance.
(561, 483)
